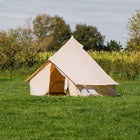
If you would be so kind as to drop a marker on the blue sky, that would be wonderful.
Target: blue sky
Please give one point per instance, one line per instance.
(109, 16)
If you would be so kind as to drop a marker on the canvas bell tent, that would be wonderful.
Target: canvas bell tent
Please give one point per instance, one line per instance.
(71, 71)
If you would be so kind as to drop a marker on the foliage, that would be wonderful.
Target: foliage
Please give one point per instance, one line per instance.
(133, 26)
(28, 52)
(120, 65)
(10, 46)
(89, 37)
(21, 47)
(30, 117)
(51, 32)
(41, 25)
(60, 31)
(113, 46)
(18, 47)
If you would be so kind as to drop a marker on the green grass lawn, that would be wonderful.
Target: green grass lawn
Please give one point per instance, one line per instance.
(26, 117)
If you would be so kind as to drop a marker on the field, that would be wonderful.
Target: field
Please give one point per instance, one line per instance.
(27, 117)
(120, 65)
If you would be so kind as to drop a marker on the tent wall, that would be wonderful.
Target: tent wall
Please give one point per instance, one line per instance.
(107, 90)
(73, 89)
(39, 84)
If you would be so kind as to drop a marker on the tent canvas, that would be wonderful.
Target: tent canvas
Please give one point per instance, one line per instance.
(71, 71)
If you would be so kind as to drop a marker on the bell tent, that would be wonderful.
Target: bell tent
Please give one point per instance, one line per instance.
(71, 71)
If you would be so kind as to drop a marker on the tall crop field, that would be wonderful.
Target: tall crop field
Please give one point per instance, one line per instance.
(119, 65)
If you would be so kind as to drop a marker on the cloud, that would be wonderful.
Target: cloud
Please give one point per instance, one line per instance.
(12, 15)
(94, 17)
(109, 15)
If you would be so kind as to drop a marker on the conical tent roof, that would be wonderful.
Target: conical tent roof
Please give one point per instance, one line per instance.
(73, 61)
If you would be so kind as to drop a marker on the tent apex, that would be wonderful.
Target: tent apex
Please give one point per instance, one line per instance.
(74, 40)
(72, 36)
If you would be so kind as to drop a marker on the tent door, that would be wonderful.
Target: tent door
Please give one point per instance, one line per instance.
(57, 82)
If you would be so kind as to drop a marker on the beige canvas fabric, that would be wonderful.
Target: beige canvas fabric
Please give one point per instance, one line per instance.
(39, 84)
(73, 90)
(72, 64)
(79, 66)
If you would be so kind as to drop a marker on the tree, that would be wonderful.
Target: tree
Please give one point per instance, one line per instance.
(41, 25)
(113, 46)
(18, 46)
(133, 26)
(89, 36)
(51, 32)
(29, 44)
(10, 48)
(60, 31)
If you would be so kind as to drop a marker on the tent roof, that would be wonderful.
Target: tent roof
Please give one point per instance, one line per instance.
(77, 65)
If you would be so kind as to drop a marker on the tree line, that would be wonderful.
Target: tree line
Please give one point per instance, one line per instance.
(50, 33)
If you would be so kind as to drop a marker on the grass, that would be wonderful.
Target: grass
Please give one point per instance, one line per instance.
(27, 117)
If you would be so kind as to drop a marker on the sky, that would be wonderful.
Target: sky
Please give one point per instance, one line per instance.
(109, 16)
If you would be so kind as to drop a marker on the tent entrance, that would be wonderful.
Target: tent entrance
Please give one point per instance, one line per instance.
(57, 82)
